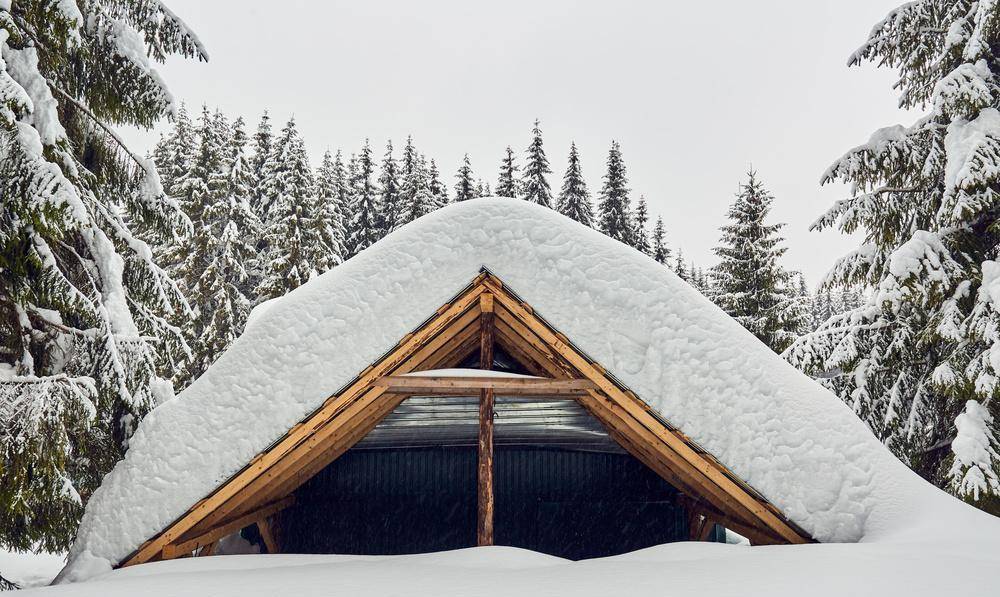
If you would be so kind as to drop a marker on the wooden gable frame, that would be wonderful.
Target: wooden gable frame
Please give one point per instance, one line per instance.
(713, 493)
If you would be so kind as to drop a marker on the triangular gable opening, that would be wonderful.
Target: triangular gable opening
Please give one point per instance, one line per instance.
(522, 342)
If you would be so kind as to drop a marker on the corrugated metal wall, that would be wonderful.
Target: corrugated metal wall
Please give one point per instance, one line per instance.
(570, 503)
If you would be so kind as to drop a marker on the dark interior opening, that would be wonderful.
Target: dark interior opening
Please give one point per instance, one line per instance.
(570, 503)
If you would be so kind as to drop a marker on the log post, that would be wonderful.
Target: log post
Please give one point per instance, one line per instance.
(484, 531)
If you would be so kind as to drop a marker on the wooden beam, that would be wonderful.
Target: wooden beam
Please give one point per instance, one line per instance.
(505, 386)
(208, 549)
(707, 526)
(173, 550)
(484, 484)
(267, 534)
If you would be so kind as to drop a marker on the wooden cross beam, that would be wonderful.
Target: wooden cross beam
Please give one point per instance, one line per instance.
(440, 385)
(484, 529)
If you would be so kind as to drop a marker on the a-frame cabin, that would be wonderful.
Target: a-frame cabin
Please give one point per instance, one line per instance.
(367, 440)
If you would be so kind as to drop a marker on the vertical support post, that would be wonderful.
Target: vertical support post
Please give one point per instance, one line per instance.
(484, 531)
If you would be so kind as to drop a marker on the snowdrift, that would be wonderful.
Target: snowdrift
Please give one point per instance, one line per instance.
(789, 438)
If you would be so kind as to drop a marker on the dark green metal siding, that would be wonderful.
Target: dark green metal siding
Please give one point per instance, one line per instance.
(572, 504)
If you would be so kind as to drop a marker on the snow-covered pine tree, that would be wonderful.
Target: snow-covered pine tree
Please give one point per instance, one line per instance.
(216, 272)
(483, 188)
(409, 182)
(262, 142)
(534, 185)
(289, 190)
(806, 302)
(363, 231)
(196, 190)
(917, 360)
(83, 338)
(640, 233)
(614, 205)
(574, 198)
(465, 187)
(680, 267)
(172, 155)
(329, 230)
(437, 188)
(507, 180)
(390, 202)
(751, 285)
(420, 198)
(661, 251)
(341, 181)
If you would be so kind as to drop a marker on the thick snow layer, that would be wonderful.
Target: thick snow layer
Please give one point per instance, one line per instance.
(678, 569)
(784, 434)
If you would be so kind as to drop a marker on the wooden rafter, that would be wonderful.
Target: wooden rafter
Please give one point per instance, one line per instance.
(449, 336)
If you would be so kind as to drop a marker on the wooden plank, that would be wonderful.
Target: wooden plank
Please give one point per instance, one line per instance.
(500, 385)
(172, 551)
(267, 534)
(678, 446)
(484, 481)
(448, 313)
(208, 549)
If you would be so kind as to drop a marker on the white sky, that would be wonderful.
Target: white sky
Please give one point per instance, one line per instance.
(694, 91)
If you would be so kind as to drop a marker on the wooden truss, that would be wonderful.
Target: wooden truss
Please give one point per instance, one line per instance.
(454, 332)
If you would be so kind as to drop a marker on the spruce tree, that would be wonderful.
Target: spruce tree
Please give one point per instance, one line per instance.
(534, 185)
(661, 252)
(390, 201)
(83, 341)
(329, 230)
(288, 189)
(640, 234)
(363, 231)
(574, 199)
(262, 142)
(483, 189)
(614, 204)
(680, 267)
(507, 180)
(215, 272)
(918, 361)
(418, 190)
(465, 187)
(413, 181)
(343, 180)
(437, 188)
(751, 285)
(172, 155)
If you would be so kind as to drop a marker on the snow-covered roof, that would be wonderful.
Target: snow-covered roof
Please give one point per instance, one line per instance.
(789, 438)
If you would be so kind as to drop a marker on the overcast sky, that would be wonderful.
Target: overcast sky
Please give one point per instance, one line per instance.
(694, 92)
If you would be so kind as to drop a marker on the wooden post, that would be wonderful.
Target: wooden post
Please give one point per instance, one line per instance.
(267, 534)
(484, 531)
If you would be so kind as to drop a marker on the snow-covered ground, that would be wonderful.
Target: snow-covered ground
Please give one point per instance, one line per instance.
(29, 569)
(678, 570)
